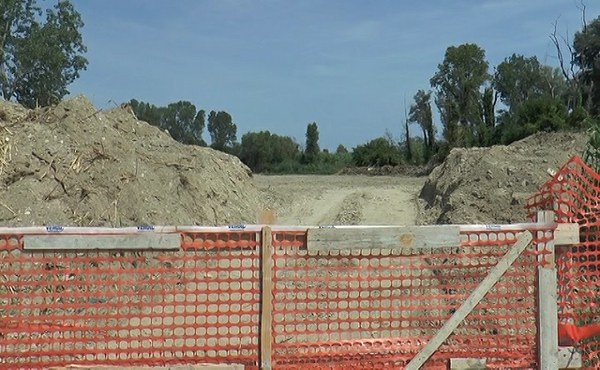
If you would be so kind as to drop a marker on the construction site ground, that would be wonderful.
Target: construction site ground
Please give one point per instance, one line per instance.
(477, 185)
(345, 199)
(75, 165)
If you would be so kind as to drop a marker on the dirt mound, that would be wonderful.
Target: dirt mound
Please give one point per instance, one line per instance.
(75, 165)
(490, 185)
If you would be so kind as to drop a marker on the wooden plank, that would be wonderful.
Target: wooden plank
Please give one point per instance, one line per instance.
(266, 293)
(55, 229)
(396, 237)
(518, 227)
(467, 363)
(482, 289)
(569, 358)
(547, 302)
(566, 234)
(142, 240)
(547, 318)
(545, 217)
(172, 367)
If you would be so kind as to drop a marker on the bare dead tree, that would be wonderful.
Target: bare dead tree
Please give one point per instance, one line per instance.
(406, 124)
(559, 42)
(570, 72)
(567, 71)
(581, 6)
(590, 88)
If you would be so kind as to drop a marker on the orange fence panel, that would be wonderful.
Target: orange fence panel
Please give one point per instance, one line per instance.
(202, 304)
(574, 195)
(198, 304)
(378, 308)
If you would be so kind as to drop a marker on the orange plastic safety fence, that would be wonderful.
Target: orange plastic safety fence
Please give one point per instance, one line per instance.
(198, 304)
(377, 308)
(574, 194)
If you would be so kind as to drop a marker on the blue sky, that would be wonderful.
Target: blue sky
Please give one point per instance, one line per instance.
(278, 65)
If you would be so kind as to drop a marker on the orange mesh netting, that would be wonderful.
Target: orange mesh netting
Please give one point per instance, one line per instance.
(574, 194)
(331, 309)
(198, 304)
(376, 309)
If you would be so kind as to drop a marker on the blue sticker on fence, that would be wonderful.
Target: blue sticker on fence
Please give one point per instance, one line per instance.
(145, 228)
(54, 229)
(237, 227)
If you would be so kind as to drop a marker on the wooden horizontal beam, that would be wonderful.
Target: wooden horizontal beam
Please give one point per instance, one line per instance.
(566, 234)
(569, 358)
(140, 241)
(171, 367)
(468, 364)
(394, 237)
(56, 229)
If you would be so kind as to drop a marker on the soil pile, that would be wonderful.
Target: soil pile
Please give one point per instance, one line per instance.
(490, 185)
(74, 165)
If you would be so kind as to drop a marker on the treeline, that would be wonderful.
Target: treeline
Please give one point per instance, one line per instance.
(519, 97)
(477, 106)
(186, 124)
(266, 152)
(468, 101)
(263, 152)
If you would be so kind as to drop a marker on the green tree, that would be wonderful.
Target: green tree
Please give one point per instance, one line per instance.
(263, 151)
(17, 17)
(586, 55)
(542, 113)
(255, 152)
(458, 84)
(222, 130)
(535, 96)
(312, 142)
(184, 123)
(180, 119)
(591, 154)
(341, 150)
(377, 152)
(420, 113)
(452, 131)
(419, 151)
(484, 131)
(38, 60)
(147, 112)
(519, 78)
(408, 152)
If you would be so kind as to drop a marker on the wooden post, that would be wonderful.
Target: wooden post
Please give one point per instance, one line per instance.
(547, 302)
(266, 293)
(482, 289)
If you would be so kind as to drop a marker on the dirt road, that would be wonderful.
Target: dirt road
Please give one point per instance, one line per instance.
(341, 200)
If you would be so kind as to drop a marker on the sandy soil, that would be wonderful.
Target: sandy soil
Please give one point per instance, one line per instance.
(341, 200)
(75, 165)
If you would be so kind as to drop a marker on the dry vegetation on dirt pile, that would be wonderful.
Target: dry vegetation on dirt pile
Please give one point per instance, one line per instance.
(74, 165)
(491, 185)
